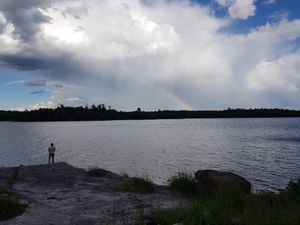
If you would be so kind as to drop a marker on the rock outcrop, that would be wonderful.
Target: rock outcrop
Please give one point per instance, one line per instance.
(62, 194)
(219, 180)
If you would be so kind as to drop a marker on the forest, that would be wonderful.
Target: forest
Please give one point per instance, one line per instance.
(101, 112)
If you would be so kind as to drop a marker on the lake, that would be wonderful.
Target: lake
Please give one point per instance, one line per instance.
(265, 151)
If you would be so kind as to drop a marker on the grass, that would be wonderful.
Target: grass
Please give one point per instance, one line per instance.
(216, 208)
(228, 207)
(9, 205)
(270, 208)
(96, 172)
(184, 184)
(10, 208)
(137, 185)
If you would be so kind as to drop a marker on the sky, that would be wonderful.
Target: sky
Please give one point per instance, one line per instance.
(152, 54)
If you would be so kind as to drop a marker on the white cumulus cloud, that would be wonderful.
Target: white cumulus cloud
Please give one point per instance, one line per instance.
(167, 55)
(239, 9)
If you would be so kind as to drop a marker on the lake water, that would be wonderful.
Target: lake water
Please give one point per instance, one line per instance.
(265, 151)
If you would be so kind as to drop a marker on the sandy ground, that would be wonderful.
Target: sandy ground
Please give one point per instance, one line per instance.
(61, 194)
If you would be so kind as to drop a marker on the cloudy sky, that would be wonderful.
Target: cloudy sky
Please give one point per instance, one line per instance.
(159, 54)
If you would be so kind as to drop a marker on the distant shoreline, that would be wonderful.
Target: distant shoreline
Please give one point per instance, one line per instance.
(100, 113)
(109, 120)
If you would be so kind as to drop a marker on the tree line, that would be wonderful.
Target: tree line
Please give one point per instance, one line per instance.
(101, 112)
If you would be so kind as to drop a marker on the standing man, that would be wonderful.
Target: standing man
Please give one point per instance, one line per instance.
(51, 151)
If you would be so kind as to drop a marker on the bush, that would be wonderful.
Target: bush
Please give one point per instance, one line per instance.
(96, 172)
(137, 185)
(184, 184)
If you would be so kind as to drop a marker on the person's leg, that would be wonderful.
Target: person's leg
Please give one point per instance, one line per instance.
(49, 157)
(52, 158)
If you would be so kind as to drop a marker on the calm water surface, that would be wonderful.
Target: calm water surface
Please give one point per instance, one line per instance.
(265, 151)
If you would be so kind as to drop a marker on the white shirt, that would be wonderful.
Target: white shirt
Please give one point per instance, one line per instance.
(51, 150)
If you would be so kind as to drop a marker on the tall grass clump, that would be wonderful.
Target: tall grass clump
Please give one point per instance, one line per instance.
(213, 208)
(184, 184)
(137, 185)
(270, 208)
(96, 172)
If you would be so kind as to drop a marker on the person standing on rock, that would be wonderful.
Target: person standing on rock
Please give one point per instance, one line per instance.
(51, 151)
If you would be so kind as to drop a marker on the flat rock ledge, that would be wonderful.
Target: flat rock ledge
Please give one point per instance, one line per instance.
(60, 194)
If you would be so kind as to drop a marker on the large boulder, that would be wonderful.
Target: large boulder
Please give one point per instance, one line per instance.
(219, 180)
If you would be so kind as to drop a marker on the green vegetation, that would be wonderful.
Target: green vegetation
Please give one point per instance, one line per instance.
(231, 208)
(101, 112)
(3, 191)
(137, 185)
(96, 172)
(184, 184)
(10, 208)
(9, 205)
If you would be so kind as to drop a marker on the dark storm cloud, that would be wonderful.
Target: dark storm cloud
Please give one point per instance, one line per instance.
(23, 4)
(36, 60)
(39, 92)
(26, 16)
(21, 62)
(51, 65)
(36, 83)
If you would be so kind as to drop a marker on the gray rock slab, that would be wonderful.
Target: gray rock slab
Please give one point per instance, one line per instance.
(61, 194)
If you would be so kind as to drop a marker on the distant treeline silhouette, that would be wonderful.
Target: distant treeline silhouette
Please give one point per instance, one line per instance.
(100, 112)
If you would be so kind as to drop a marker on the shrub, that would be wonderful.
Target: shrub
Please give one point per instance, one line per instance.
(96, 172)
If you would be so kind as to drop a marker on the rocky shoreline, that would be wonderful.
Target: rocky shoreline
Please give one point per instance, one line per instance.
(60, 194)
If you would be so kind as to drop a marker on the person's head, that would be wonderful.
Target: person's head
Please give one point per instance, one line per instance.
(52, 144)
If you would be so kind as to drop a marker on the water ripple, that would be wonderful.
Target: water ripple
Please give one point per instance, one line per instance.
(265, 151)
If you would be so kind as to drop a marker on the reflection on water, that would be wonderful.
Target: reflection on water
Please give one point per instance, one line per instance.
(265, 151)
